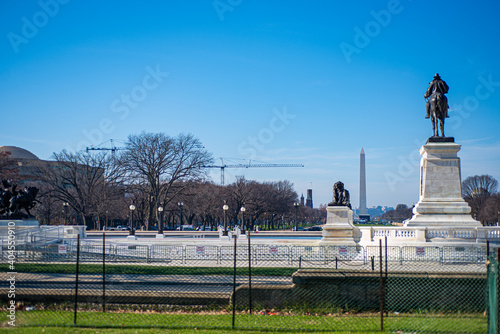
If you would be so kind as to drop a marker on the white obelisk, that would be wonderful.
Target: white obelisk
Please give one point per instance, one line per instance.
(362, 187)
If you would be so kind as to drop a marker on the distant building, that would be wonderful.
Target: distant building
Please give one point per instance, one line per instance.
(23, 167)
(19, 165)
(309, 199)
(302, 199)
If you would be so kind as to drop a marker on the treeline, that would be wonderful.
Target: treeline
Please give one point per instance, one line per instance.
(161, 178)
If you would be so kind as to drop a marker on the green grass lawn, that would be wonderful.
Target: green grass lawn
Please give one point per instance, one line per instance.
(221, 322)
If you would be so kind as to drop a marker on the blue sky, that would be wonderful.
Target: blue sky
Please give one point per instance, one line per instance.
(281, 82)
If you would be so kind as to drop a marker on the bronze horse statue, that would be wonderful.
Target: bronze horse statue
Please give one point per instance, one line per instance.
(437, 104)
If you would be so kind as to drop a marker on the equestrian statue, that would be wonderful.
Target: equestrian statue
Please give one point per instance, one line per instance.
(437, 104)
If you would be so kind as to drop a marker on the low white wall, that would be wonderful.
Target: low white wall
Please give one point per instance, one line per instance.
(419, 235)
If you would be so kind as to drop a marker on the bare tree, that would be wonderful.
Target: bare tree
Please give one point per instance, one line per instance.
(160, 162)
(478, 185)
(85, 181)
(490, 211)
(476, 190)
(275, 199)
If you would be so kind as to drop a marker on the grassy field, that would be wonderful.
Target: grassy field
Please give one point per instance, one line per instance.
(221, 322)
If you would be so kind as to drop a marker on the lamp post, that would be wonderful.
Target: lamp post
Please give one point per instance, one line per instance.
(106, 222)
(160, 223)
(180, 205)
(132, 208)
(65, 211)
(243, 219)
(296, 205)
(225, 208)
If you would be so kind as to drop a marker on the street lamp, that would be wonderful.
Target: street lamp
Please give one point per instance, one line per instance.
(106, 222)
(243, 219)
(132, 208)
(65, 211)
(160, 223)
(180, 205)
(225, 208)
(296, 205)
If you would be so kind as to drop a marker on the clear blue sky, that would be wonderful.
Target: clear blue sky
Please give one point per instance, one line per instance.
(307, 82)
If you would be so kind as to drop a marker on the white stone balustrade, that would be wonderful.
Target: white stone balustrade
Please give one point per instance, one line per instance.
(407, 235)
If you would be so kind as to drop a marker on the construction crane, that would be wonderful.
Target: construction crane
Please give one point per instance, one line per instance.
(250, 164)
(113, 148)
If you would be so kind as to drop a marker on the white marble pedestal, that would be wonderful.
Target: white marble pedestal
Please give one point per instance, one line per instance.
(339, 229)
(441, 202)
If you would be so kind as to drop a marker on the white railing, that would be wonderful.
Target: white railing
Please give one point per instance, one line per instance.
(431, 234)
(395, 234)
(405, 234)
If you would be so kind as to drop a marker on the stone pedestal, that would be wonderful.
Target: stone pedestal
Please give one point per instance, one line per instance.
(441, 202)
(339, 229)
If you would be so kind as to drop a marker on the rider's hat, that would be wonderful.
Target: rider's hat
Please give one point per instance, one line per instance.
(436, 76)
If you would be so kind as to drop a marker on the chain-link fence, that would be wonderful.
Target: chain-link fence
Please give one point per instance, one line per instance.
(93, 283)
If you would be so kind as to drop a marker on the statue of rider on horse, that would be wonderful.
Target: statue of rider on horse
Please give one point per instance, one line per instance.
(437, 104)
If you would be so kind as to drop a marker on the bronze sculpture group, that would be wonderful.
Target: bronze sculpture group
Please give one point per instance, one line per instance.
(12, 201)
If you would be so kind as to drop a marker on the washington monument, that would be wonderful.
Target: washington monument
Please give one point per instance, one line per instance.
(362, 187)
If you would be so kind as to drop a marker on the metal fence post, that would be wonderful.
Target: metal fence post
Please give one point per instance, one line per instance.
(104, 272)
(381, 287)
(234, 282)
(249, 274)
(385, 278)
(497, 273)
(76, 283)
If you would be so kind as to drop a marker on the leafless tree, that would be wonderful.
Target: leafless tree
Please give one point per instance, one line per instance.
(85, 181)
(160, 162)
(476, 190)
(490, 211)
(47, 208)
